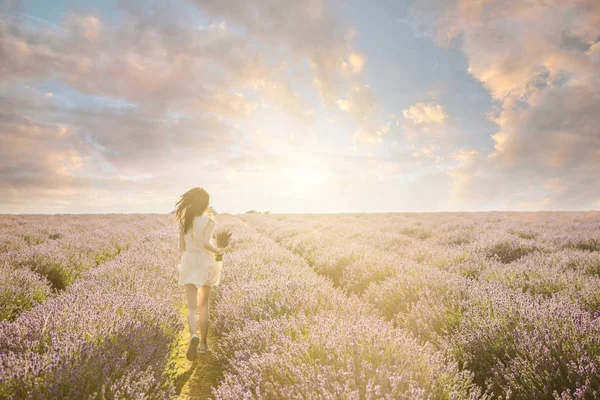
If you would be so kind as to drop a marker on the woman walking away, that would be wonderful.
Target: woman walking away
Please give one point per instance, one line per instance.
(198, 268)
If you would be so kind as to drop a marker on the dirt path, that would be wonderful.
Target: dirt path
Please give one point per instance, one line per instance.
(196, 378)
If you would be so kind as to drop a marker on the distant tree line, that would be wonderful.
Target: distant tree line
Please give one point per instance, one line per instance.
(257, 212)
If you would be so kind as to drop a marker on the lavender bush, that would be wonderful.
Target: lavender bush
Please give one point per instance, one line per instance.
(285, 332)
(20, 289)
(64, 250)
(378, 306)
(512, 297)
(106, 336)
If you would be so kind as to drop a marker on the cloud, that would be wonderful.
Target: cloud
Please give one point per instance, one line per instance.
(539, 62)
(361, 103)
(153, 57)
(423, 113)
(305, 29)
(372, 136)
(148, 96)
(344, 105)
(354, 65)
(59, 156)
(87, 26)
(149, 99)
(309, 30)
(362, 106)
(424, 130)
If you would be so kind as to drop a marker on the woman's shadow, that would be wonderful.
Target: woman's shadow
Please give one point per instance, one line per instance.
(203, 373)
(182, 379)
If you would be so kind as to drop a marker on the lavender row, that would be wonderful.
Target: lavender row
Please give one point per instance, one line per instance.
(73, 246)
(18, 232)
(342, 252)
(20, 290)
(523, 346)
(443, 238)
(412, 294)
(425, 295)
(286, 332)
(109, 335)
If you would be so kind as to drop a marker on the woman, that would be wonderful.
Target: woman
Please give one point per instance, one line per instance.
(198, 268)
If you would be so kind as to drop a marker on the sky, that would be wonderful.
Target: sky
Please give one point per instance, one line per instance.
(304, 106)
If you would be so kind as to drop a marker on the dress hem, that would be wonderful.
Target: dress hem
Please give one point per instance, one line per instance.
(196, 284)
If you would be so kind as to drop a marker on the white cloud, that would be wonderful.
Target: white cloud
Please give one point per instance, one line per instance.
(539, 61)
(343, 105)
(423, 113)
(308, 29)
(354, 65)
(374, 136)
(423, 128)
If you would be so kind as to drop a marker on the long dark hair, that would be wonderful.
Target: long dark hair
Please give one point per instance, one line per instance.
(191, 204)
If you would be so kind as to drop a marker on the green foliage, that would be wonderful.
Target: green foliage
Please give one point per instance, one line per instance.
(58, 274)
(31, 239)
(417, 233)
(588, 244)
(20, 290)
(508, 251)
(523, 234)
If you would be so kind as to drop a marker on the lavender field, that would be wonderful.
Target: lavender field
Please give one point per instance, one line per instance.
(314, 306)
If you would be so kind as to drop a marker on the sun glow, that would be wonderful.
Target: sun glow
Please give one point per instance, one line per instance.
(306, 175)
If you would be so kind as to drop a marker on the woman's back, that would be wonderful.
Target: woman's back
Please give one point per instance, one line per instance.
(199, 234)
(199, 269)
(198, 263)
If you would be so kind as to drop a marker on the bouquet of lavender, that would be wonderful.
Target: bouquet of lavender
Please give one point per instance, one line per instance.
(223, 238)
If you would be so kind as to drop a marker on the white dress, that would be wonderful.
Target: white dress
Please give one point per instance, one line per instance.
(198, 265)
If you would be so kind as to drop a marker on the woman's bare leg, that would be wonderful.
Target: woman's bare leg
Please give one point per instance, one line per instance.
(203, 302)
(191, 292)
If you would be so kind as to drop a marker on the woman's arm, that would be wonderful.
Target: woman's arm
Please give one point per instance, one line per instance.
(181, 240)
(207, 236)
